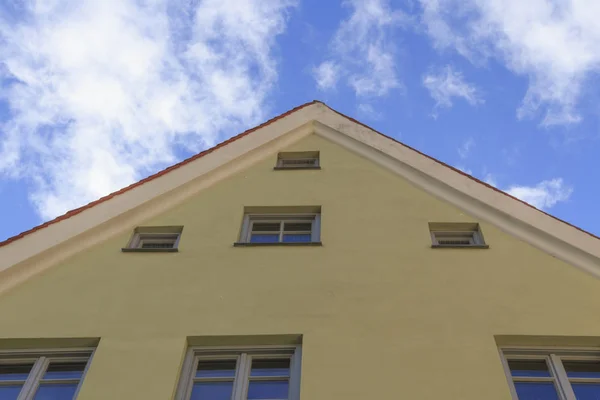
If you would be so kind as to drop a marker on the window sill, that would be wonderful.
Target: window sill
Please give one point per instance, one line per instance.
(447, 246)
(300, 244)
(293, 168)
(134, 250)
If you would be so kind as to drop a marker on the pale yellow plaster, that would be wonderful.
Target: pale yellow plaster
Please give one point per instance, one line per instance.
(382, 315)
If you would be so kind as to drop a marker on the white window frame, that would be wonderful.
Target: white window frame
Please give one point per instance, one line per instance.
(154, 234)
(41, 359)
(458, 230)
(554, 358)
(243, 356)
(141, 238)
(251, 219)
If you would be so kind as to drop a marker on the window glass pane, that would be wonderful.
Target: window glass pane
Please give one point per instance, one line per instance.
(297, 226)
(212, 391)
(10, 392)
(266, 227)
(528, 368)
(63, 391)
(536, 391)
(63, 370)
(158, 245)
(264, 238)
(266, 390)
(218, 368)
(298, 162)
(582, 369)
(14, 372)
(270, 367)
(454, 241)
(586, 391)
(297, 238)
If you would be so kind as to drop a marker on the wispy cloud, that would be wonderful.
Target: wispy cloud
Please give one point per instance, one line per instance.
(104, 92)
(326, 75)
(465, 148)
(364, 47)
(554, 44)
(447, 84)
(543, 195)
(367, 111)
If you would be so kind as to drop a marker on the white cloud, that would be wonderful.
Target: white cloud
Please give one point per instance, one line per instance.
(368, 111)
(554, 44)
(448, 83)
(543, 195)
(326, 75)
(103, 92)
(364, 48)
(465, 148)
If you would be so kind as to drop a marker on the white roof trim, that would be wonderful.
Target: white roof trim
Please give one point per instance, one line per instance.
(41, 249)
(551, 235)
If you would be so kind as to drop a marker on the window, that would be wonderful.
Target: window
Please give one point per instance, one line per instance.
(298, 160)
(456, 235)
(154, 239)
(39, 376)
(261, 373)
(553, 374)
(299, 228)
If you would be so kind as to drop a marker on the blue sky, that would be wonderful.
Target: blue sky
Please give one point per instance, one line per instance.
(96, 95)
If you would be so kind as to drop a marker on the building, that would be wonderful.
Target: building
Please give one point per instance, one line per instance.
(310, 257)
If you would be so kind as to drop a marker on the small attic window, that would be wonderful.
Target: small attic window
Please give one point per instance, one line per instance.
(154, 239)
(298, 160)
(456, 235)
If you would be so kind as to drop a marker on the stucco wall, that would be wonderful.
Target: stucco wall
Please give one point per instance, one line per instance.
(381, 313)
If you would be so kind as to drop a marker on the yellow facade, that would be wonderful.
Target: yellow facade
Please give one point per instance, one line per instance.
(382, 315)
